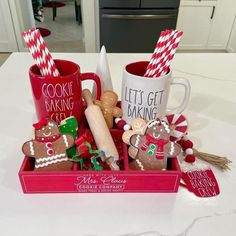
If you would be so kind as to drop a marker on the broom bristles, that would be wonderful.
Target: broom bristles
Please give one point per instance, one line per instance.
(221, 162)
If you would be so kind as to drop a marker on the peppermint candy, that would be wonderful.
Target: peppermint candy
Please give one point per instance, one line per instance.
(178, 126)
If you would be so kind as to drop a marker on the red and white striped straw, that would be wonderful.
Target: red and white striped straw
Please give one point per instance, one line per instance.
(40, 53)
(170, 50)
(160, 46)
(162, 56)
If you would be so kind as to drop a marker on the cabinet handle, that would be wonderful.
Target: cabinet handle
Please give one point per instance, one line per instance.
(139, 17)
(213, 12)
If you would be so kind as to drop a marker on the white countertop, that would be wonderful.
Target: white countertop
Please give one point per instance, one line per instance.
(212, 117)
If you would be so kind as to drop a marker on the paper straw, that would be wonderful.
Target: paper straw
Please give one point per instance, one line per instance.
(170, 50)
(160, 59)
(40, 53)
(160, 46)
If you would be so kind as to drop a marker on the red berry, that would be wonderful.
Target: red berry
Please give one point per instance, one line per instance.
(121, 124)
(190, 158)
(180, 142)
(187, 144)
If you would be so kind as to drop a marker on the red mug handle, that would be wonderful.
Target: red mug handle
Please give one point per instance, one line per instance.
(95, 77)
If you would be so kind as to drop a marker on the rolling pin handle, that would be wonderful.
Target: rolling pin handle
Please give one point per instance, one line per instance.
(87, 95)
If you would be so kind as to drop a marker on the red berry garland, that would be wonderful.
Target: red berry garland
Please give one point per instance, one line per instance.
(187, 146)
(121, 124)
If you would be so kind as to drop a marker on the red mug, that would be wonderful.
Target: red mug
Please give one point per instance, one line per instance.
(60, 97)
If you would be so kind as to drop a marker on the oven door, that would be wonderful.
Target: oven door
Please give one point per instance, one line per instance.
(137, 30)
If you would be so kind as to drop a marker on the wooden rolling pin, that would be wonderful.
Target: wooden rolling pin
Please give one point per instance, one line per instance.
(100, 131)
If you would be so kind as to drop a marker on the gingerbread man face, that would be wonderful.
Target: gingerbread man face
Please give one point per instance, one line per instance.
(153, 147)
(49, 147)
(158, 129)
(109, 98)
(46, 130)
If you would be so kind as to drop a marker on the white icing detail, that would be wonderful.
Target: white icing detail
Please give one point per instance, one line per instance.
(156, 136)
(51, 162)
(48, 144)
(65, 140)
(166, 126)
(50, 124)
(172, 148)
(47, 134)
(31, 148)
(155, 122)
(50, 158)
(140, 164)
(137, 141)
(49, 150)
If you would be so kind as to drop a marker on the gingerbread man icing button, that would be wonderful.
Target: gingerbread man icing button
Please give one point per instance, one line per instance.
(49, 147)
(154, 146)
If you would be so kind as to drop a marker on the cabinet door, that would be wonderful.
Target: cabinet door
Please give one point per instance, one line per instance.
(7, 35)
(231, 47)
(195, 20)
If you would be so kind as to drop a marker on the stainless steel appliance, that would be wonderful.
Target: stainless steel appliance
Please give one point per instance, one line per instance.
(135, 25)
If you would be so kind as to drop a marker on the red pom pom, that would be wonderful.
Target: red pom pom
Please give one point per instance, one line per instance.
(187, 144)
(121, 124)
(180, 142)
(190, 158)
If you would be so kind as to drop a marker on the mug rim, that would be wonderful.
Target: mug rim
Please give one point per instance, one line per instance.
(142, 77)
(39, 76)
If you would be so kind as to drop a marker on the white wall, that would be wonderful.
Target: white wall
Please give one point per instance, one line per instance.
(90, 24)
(23, 19)
(15, 16)
(7, 34)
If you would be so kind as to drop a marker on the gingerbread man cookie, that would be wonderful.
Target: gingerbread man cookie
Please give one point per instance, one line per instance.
(108, 106)
(154, 146)
(137, 127)
(49, 147)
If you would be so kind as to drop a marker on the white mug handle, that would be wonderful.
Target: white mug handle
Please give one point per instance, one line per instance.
(187, 90)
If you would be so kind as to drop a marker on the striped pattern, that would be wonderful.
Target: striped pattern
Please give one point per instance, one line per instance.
(163, 53)
(40, 53)
(178, 126)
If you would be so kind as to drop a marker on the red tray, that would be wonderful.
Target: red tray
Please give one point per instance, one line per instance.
(107, 181)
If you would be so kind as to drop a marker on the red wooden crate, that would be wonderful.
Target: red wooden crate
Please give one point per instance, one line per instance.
(109, 181)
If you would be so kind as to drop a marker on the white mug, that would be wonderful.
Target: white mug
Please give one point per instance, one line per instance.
(147, 97)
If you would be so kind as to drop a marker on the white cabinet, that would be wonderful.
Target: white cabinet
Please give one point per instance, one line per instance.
(8, 41)
(231, 47)
(195, 20)
(206, 23)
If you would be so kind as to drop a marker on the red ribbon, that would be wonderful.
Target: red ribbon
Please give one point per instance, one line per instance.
(40, 124)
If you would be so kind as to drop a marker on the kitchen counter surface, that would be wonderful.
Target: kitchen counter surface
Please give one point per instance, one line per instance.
(212, 117)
